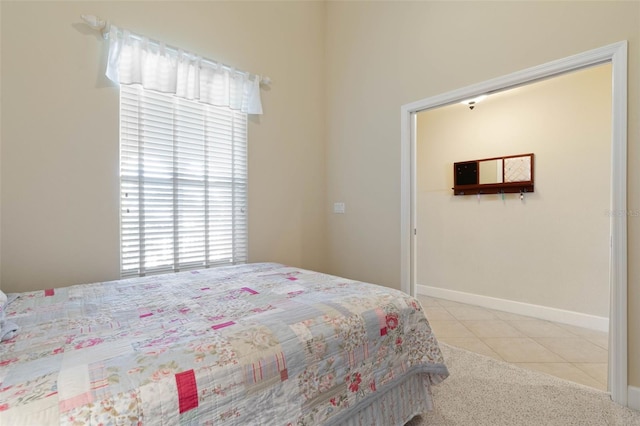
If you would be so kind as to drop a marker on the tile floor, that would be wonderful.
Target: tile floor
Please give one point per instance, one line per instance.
(572, 353)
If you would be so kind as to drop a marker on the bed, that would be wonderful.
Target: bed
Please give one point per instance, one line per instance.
(255, 344)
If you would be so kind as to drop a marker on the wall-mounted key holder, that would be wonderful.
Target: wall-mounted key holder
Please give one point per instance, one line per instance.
(497, 175)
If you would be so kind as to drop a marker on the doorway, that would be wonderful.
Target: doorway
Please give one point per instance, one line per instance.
(616, 55)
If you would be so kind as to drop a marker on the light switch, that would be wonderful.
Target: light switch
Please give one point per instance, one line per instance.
(338, 208)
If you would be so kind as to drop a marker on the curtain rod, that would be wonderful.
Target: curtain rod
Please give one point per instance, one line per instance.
(95, 23)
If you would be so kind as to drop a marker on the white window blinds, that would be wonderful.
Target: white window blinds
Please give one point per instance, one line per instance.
(183, 183)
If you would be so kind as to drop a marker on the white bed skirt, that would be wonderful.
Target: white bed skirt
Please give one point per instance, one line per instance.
(407, 399)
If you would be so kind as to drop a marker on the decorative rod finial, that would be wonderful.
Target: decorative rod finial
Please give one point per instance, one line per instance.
(94, 22)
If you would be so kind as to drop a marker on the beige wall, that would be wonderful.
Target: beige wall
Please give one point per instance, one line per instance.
(382, 55)
(60, 220)
(0, 160)
(550, 249)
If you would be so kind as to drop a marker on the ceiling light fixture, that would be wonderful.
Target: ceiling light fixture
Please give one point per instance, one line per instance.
(471, 103)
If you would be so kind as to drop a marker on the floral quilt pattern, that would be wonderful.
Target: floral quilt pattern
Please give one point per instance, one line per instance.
(248, 344)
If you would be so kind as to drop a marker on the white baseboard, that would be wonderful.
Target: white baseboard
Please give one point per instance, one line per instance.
(633, 398)
(537, 311)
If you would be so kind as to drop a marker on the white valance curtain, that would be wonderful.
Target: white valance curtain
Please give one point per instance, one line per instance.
(137, 60)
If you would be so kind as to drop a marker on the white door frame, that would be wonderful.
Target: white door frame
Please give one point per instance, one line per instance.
(616, 54)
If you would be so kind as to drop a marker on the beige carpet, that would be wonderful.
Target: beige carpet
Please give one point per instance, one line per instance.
(484, 391)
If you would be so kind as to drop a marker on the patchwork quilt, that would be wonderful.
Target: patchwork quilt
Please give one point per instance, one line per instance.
(248, 344)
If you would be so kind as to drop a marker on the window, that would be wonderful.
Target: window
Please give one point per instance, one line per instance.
(183, 183)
